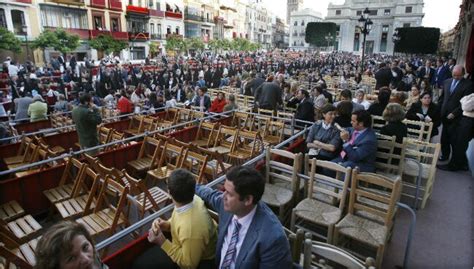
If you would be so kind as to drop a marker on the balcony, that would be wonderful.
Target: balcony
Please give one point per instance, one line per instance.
(24, 1)
(138, 36)
(120, 35)
(136, 9)
(157, 37)
(82, 33)
(192, 17)
(174, 15)
(115, 5)
(157, 13)
(69, 2)
(173, 35)
(98, 3)
(96, 33)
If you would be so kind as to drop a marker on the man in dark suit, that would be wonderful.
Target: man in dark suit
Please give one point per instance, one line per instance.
(249, 234)
(305, 108)
(441, 73)
(383, 76)
(360, 143)
(451, 113)
(270, 95)
(202, 99)
(426, 72)
(253, 84)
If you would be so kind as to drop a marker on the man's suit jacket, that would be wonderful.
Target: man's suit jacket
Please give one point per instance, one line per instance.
(451, 102)
(422, 73)
(383, 77)
(265, 245)
(207, 102)
(270, 96)
(441, 74)
(305, 111)
(362, 152)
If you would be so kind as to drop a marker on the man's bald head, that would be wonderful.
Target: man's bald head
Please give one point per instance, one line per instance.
(458, 72)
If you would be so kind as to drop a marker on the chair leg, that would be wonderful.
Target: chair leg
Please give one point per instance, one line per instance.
(293, 220)
(379, 258)
(335, 237)
(329, 237)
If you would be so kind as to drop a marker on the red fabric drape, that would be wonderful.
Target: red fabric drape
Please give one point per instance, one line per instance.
(470, 54)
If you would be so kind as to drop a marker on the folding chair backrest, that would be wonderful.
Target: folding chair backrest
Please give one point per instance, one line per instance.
(115, 136)
(149, 124)
(424, 152)
(136, 122)
(172, 155)
(251, 140)
(240, 120)
(389, 156)
(415, 128)
(195, 163)
(196, 115)
(73, 170)
(374, 196)
(378, 122)
(277, 167)
(325, 188)
(266, 112)
(105, 134)
(108, 199)
(225, 134)
(275, 129)
(90, 181)
(149, 148)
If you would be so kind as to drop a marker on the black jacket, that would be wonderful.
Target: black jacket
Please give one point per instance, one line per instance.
(383, 77)
(451, 102)
(305, 111)
(433, 112)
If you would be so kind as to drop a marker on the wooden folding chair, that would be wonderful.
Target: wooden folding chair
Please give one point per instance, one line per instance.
(324, 204)
(147, 157)
(20, 156)
(135, 126)
(30, 155)
(241, 120)
(170, 160)
(248, 145)
(76, 205)
(372, 207)
(147, 199)
(390, 157)
(378, 123)
(42, 153)
(274, 133)
(196, 164)
(22, 228)
(206, 134)
(278, 176)
(416, 129)
(16, 255)
(225, 139)
(67, 183)
(11, 210)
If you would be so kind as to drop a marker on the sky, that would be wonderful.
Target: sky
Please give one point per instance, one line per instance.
(442, 14)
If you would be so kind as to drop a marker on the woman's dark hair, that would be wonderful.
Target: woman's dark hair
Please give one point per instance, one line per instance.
(384, 96)
(319, 89)
(247, 181)
(426, 93)
(328, 108)
(85, 98)
(181, 185)
(364, 117)
(305, 93)
(56, 243)
(344, 108)
(394, 112)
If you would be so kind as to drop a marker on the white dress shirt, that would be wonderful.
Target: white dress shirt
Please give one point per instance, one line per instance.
(244, 226)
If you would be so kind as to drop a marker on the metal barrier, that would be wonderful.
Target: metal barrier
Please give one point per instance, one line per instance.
(70, 154)
(139, 224)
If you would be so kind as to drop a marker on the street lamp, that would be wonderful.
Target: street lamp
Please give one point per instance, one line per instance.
(366, 26)
(24, 28)
(395, 38)
(328, 38)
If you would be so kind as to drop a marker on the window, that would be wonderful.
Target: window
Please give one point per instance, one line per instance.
(130, 2)
(3, 20)
(338, 12)
(408, 9)
(385, 28)
(158, 29)
(338, 30)
(152, 28)
(302, 23)
(177, 30)
(356, 42)
(294, 43)
(158, 5)
(98, 22)
(386, 12)
(63, 17)
(359, 12)
(406, 25)
(373, 12)
(115, 25)
(168, 30)
(296, 23)
(18, 20)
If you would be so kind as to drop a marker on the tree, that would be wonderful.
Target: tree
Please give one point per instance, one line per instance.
(9, 41)
(107, 44)
(196, 43)
(59, 40)
(153, 49)
(175, 43)
(422, 40)
(316, 33)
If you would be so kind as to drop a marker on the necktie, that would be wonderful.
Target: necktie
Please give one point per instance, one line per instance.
(232, 249)
(453, 85)
(353, 138)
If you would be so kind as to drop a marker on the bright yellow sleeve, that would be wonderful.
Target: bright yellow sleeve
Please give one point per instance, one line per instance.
(188, 255)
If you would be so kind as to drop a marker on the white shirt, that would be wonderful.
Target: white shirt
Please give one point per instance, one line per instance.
(244, 226)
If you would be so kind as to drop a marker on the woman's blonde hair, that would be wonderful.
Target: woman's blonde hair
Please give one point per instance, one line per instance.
(393, 112)
(56, 243)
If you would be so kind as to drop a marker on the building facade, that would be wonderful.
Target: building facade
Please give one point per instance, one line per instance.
(291, 6)
(279, 33)
(298, 22)
(387, 15)
(464, 37)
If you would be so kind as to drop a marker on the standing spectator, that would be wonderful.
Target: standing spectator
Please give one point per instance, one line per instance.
(38, 110)
(124, 104)
(86, 116)
(451, 114)
(61, 105)
(426, 72)
(249, 234)
(427, 111)
(13, 69)
(193, 231)
(21, 106)
(270, 95)
(360, 143)
(394, 114)
(305, 108)
(218, 104)
(360, 99)
(383, 76)
(202, 100)
(383, 98)
(441, 74)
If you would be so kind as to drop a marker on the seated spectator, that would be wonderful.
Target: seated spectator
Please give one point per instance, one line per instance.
(360, 143)
(67, 244)
(218, 104)
(61, 105)
(202, 100)
(360, 99)
(324, 140)
(250, 235)
(95, 99)
(21, 107)
(319, 99)
(413, 96)
(4, 133)
(383, 98)
(343, 112)
(153, 101)
(305, 108)
(124, 104)
(394, 114)
(38, 110)
(346, 95)
(193, 231)
(231, 104)
(427, 111)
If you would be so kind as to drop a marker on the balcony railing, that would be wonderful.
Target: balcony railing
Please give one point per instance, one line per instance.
(138, 36)
(24, 1)
(192, 17)
(157, 13)
(120, 35)
(171, 14)
(136, 9)
(98, 3)
(82, 33)
(174, 35)
(70, 2)
(115, 4)
(157, 37)
(96, 33)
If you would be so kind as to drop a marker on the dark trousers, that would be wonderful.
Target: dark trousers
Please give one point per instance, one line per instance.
(455, 137)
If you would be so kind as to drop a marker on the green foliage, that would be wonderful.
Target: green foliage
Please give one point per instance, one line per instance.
(175, 43)
(9, 41)
(316, 33)
(236, 44)
(108, 44)
(422, 40)
(195, 43)
(153, 49)
(59, 40)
